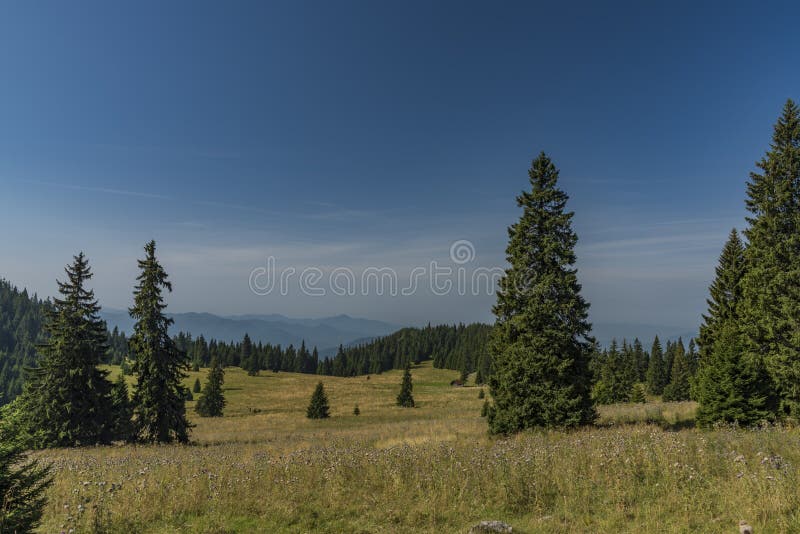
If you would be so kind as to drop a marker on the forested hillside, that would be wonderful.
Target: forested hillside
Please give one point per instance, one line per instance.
(21, 318)
(460, 347)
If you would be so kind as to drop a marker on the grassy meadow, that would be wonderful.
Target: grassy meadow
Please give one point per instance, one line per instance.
(264, 467)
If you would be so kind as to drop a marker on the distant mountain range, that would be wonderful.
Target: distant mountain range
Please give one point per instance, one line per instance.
(326, 333)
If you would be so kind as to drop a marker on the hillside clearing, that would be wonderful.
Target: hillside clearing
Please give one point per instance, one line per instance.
(427, 469)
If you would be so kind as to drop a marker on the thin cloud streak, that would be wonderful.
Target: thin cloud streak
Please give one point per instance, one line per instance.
(105, 190)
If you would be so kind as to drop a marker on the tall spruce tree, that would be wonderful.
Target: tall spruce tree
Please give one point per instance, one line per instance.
(23, 484)
(770, 310)
(122, 409)
(405, 398)
(724, 293)
(66, 401)
(541, 342)
(642, 360)
(656, 374)
(159, 395)
(731, 385)
(318, 407)
(679, 387)
(212, 400)
(249, 357)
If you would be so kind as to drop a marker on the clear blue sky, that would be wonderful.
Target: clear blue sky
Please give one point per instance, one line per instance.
(349, 134)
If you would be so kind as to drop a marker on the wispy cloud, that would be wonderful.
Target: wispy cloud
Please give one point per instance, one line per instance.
(651, 245)
(727, 222)
(106, 190)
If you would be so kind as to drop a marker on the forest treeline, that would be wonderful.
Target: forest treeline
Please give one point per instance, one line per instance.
(626, 372)
(459, 347)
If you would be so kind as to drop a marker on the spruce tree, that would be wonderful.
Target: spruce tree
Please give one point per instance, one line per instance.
(725, 293)
(541, 342)
(485, 408)
(731, 385)
(656, 374)
(692, 358)
(638, 393)
(669, 357)
(318, 407)
(196, 388)
(67, 398)
(212, 400)
(23, 484)
(405, 398)
(249, 358)
(122, 409)
(614, 379)
(642, 360)
(159, 395)
(770, 309)
(679, 388)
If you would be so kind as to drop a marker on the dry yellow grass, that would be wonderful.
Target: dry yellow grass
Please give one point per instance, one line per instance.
(428, 469)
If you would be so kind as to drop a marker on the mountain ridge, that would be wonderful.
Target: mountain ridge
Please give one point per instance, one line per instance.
(276, 329)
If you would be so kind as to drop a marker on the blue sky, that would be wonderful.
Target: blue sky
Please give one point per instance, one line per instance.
(355, 134)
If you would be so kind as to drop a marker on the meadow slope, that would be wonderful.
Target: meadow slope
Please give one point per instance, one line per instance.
(264, 467)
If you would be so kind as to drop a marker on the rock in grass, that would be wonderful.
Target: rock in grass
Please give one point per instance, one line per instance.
(491, 527)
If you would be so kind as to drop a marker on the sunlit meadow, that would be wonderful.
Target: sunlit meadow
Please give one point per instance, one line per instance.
(264, 467)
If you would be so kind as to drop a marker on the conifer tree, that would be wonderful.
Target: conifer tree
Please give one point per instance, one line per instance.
(485, 409)
(405, 398)
(23, 484)
(731, 385)
(638, 393)
(541, 343)
(159, 395)
(66, 401)
(196, 388)
(692, 358)
(318, 407)
(770, 309)
(656, 374)
(249, 358)
(725, 293)
(642, 360)
(679, 388)
(356, 411)
(669, 356)
(614, 379)
(212, 400)
(122, 410)
(481, 394)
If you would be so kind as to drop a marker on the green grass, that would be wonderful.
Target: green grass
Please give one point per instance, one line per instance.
(427, 469)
